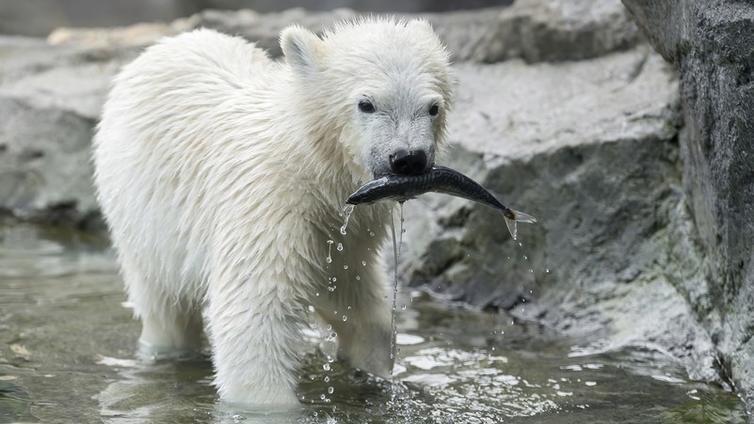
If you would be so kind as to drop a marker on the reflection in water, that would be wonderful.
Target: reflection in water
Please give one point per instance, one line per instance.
(166, 391)
(67, 348)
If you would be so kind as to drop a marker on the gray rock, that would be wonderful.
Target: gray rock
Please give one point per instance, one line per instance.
(264, 28)
(39, 17)
(43, 87)
(712, 44)
(538, 30)
(50, 100)
(589, 148)
(535, 30)
(43, 162)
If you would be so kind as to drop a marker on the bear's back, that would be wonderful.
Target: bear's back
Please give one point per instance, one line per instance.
(162, 146)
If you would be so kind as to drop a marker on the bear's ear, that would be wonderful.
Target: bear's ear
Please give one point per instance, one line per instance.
(302, 49)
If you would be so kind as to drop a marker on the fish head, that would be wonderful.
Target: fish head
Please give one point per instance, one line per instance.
(385, 83)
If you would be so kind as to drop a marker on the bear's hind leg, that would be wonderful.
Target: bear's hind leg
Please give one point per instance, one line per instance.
(173, 332)
(171, 327)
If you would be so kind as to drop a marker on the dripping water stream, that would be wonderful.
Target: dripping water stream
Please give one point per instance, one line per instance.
(397, 241)
(347, 211)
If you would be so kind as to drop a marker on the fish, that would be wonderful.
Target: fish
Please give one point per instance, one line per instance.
(439, 179)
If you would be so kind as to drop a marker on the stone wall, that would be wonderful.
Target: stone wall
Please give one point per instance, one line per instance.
(711, 42)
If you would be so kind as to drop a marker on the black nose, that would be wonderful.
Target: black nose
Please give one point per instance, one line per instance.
(403, 162)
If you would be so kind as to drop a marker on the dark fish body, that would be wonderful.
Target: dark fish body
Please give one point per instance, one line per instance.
(439, 179)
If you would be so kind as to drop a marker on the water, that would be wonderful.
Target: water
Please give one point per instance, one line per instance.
(397, 241)
(67, 355)
(347, 211)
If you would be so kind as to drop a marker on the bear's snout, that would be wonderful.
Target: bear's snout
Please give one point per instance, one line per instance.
(404, 162)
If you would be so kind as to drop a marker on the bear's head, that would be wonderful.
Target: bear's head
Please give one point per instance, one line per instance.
(382, 86)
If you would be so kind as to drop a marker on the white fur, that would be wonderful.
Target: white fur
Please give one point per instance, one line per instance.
(221, 174)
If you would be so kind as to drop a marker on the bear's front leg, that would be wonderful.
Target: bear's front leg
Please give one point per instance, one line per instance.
(364, 337)
(254, 326)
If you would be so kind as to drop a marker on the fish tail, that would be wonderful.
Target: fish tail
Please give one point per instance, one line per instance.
(513, 216)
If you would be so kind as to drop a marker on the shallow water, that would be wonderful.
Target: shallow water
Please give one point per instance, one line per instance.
(67, 355)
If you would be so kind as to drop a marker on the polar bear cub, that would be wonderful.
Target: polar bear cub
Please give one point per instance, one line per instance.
(221, 174)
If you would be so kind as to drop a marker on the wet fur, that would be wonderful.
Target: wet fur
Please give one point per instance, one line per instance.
(221, 173)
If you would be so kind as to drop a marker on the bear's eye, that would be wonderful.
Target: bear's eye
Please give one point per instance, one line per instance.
(434, 110)
(366, 106)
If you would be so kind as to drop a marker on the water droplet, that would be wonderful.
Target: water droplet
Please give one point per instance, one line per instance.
(547, 270)
(349, 307)
(327, 379)
(316, 294)
(358, 278)
(340, 247)
(345, 266)
(329, 251)
(363, 263)
(326, 367)
(526, 257)
(345, 318)
(329, 327)
(330, 359)
(347, 211)
(334, 279)
(330, 390)
(371, 234)
(322, 396)
(311, 308)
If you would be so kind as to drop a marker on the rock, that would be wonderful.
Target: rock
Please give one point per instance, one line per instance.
(712, 44)
(61, 84)
(535, 30)
(134, 35)
(50, 99)
(370, 6)
(39, 17)
(264, 29)
(589, 148)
